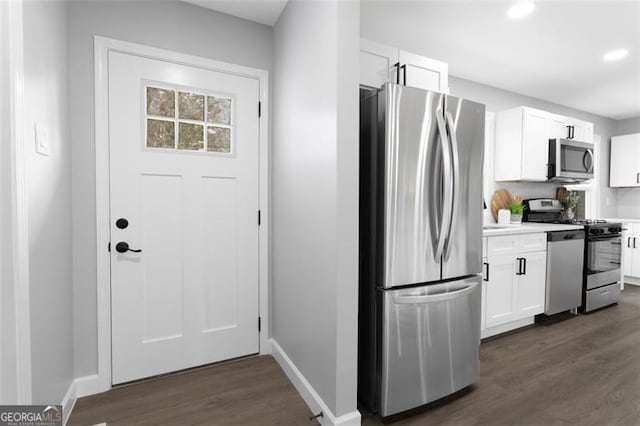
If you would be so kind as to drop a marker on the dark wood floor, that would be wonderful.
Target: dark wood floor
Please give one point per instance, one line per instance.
(585, 370)
(251, 391)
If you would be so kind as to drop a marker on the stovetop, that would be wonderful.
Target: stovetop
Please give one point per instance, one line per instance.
(593, 227)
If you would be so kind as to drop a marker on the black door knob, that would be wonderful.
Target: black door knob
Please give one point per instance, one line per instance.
(123, 247)
(122, 223)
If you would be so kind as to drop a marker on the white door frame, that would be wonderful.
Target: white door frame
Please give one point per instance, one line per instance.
(14, 298)
(102, 47)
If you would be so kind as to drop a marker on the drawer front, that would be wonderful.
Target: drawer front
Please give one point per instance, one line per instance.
(602, 296)
(532, 242)
(499, 246)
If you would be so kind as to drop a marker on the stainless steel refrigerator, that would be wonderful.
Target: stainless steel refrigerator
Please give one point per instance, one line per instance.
(421, 156)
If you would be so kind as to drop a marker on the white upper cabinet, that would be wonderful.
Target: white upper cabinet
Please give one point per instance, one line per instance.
(522, 141)
(625, 161)
(377, 63)
(424, 73)
(521, 145)
(380, 64)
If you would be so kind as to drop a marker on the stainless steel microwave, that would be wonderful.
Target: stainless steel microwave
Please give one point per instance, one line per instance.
(570, 161)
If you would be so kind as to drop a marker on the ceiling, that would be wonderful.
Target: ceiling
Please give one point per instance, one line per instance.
(264, 12)
(553, 54)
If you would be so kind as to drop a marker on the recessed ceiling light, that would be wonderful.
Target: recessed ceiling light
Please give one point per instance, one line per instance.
(614, 55)
(521, 9)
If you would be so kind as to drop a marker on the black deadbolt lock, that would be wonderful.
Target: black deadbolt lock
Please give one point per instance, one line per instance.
(122, 223)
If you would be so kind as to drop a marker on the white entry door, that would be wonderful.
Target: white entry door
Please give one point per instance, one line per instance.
(184, 200)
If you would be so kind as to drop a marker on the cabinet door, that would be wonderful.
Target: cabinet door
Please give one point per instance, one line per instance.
(531, 285)
(557, 126)
(501, 299)
(377, 63)
(635, 250)
(535, 145)
(627, 250)
(625, 161)
(582, 130)
(424, 73)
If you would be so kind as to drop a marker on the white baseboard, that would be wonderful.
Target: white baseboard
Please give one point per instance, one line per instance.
(631, 280)
(86, 385)
(68, 402)
(503, 328)
(82, 386)
(310, 396)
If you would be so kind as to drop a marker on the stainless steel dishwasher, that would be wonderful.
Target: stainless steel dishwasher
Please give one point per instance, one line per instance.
(565, 259)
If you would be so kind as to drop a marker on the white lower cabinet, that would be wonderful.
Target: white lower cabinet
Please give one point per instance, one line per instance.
(514, 282)
(502, 299)
(631, 253)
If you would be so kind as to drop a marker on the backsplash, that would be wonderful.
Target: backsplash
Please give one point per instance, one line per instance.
(628, 203)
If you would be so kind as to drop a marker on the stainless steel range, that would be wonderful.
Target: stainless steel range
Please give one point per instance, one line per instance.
(603, 254)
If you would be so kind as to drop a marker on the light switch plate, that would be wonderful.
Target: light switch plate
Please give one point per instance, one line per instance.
(42, 140)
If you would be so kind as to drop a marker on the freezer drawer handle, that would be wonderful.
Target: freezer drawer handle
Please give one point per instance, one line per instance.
(433, 298)
(487, 265)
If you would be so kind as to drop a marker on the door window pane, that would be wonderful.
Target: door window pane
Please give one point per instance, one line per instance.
(160, 134)
(218, 139)
(191, 137)
(218, 110)
(190, 106)
(161, 102)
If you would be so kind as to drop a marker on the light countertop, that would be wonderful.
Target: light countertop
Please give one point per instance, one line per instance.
(623, 220)
(495, 229)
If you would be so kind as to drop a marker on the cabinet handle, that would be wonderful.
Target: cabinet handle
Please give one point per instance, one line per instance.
(404, 73)
(397, 67)
(634, 242)
(628, 242)
(487, 265)
(637, 177)
(524, 259)
(568, 132)
(519, 259)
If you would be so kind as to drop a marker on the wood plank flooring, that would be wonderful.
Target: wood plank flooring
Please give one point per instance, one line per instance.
(585, 371)
(250, 391)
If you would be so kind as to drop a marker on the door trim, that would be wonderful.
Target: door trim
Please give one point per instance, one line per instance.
(16, 300)
(102, 47)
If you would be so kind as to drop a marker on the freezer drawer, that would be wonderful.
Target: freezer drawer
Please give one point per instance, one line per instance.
(602, 296)
(430, 343)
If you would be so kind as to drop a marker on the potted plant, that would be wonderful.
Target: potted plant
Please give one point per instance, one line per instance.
(569, 201)
(516, 208)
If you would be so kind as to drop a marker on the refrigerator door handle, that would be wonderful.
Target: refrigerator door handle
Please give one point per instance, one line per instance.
(445, 221)
(432, 298)
(455, 187)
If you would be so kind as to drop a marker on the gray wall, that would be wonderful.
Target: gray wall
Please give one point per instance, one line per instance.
(314, 195)
(170, 25)
(628, 126)
(628, 198)
(497, 100)
(49, 200)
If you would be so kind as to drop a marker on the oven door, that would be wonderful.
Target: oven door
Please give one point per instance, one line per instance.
(602, 264)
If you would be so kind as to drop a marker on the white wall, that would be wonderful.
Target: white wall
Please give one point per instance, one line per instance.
(497, 100)
(314, 195)
(628, 198)
(170, 25)
(48, 179)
